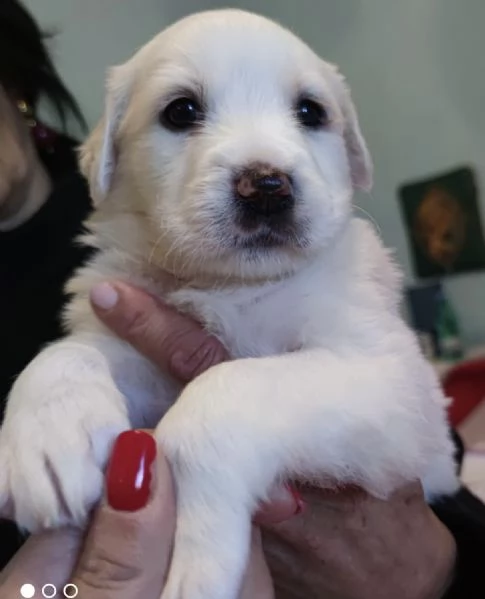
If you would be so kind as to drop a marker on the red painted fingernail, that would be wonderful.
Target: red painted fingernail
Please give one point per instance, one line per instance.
(128, 476)
(300, 504)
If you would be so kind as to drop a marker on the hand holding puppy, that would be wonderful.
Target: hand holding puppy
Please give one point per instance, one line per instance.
(330, 550)
(126, 552)
(345, 544)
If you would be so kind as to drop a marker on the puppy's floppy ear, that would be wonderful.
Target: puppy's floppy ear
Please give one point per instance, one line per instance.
(360, 161)
(98, 154)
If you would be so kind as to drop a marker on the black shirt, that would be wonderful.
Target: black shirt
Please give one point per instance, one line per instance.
(464, 516)
(36, 259)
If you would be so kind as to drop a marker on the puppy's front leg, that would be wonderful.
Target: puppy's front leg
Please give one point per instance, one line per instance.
(243, 426)
(63, 414)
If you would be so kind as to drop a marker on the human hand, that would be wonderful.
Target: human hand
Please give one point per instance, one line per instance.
(176, 344)
(349, 545)
(126, 551)
(116, 557)
(171, 341)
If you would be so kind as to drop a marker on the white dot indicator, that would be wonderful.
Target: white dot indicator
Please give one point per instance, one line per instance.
(70, 591)
(49, 591)
(27, 591)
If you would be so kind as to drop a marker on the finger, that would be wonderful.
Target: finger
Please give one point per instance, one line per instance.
(257, 583)
(329, 508)
(283, 503)
(170, 340)
(46, 558)
(127, 549)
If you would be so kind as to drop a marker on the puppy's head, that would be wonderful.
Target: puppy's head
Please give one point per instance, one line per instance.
(239, 147)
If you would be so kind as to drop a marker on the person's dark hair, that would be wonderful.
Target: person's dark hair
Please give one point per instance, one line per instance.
(26, 67)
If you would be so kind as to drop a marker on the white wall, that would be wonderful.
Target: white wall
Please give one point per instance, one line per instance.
(416, 68)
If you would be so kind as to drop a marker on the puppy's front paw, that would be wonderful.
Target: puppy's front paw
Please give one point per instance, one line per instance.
(203, 569)
(215, 497)
(52, 460)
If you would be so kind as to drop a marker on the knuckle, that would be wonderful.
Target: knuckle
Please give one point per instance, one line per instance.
(139, 322)
(199, 352)
(102, 572)
(155, 331)
(183, 336)
(209, 353)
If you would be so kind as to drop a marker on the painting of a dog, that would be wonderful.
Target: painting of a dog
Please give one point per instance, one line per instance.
(443, 223)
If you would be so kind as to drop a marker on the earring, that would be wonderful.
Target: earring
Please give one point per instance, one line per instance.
(27, 112)
(44, 137)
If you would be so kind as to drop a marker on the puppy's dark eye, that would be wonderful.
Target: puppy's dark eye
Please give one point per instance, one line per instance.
(311, 114)
(182, 114)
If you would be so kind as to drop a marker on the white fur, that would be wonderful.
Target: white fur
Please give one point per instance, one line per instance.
(327, 383)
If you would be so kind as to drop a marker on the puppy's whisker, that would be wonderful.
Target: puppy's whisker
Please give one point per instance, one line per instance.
(155, 248)
(369, 216)
(164, 228)
(116, 247)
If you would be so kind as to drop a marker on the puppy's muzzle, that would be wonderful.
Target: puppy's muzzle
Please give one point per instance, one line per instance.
(264, 191)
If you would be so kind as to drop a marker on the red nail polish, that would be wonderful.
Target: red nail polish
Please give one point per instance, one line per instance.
(300, 504)
(128, 476)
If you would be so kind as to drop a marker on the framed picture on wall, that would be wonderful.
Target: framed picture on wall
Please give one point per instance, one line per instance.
(443, 224)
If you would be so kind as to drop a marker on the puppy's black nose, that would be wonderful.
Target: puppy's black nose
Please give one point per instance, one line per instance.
(264, 190)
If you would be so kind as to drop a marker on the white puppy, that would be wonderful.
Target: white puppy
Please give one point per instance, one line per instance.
(223, 174)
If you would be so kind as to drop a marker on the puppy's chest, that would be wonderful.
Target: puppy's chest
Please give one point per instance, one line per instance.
(253, 323)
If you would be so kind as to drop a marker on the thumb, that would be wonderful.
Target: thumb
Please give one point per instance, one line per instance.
(175, 343)
(128, 546)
